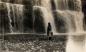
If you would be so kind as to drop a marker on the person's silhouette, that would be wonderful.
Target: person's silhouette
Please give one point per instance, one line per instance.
(49, 29)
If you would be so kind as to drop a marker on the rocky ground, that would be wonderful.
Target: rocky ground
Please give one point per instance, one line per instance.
(14, 44)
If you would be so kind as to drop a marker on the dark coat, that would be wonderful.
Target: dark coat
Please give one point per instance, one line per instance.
(49, 29)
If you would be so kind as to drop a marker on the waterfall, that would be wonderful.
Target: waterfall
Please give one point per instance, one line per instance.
(72, 17)
(75, 15)
(15, 15)
(45, 7)
(67, 18)
(61, 4)
(78, 19)
(17, 10)
(47, 18)
(9, 16)
(76, 42)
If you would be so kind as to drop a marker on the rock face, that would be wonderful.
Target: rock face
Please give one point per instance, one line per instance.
(84, 11)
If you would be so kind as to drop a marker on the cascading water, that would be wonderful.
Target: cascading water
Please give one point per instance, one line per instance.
(47, 17)
(73, 18)
(75, 43)
(15, 21)
(61, 4)
(18, 16)
(72, 13)
(9, 16)
(45, 7)
(62, 8)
